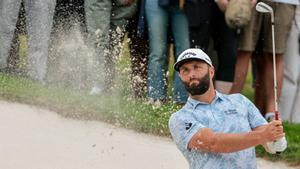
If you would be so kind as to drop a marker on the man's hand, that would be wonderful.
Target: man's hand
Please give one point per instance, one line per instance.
(222, 4)
(277, 146)
(273, 131)
(127, 2)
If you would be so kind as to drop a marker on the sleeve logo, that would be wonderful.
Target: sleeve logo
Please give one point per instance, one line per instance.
(188, 125)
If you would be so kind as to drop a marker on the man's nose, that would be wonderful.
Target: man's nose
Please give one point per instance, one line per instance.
(192, 73)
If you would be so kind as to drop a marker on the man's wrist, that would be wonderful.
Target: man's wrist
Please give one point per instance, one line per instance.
(259, 135)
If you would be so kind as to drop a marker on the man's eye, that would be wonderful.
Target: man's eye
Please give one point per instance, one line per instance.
(197, 67)
(185, 70)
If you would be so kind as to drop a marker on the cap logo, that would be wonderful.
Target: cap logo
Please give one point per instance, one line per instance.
(188, 55)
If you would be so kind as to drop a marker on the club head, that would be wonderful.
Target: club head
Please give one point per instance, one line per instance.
(263, 8)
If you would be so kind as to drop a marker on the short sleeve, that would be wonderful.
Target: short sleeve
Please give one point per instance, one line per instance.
(182, 129)
(254, 116)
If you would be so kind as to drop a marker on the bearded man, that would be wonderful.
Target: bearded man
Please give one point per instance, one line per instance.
(218, 131)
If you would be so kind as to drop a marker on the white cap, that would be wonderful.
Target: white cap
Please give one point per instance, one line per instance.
(192, 54)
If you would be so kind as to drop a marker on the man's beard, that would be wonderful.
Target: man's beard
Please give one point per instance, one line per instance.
(200, 88)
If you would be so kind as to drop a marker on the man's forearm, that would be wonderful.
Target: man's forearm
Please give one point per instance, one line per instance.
(227, 143)
(208, 141)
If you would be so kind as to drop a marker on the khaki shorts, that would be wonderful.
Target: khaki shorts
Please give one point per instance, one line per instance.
(260, 27)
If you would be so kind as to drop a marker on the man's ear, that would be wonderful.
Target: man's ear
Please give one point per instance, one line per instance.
(212, 71)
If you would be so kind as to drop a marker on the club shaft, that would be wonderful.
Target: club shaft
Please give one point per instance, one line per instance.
(274, 69)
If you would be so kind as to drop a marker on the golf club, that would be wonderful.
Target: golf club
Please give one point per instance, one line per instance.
(264, 8)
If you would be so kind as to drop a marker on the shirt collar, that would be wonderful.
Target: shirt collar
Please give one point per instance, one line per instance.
(194, 103)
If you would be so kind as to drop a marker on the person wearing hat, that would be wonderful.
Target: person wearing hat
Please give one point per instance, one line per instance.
(215, 130)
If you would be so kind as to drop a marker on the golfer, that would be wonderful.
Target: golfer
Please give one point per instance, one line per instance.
(217, 131)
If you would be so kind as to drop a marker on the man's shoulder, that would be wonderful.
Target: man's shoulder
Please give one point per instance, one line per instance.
(181, 114)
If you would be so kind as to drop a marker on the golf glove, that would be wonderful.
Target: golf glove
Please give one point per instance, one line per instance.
(277, 146)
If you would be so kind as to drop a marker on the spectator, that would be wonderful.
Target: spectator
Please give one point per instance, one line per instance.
(207, 22)
(260, 25)
(289, 105)
(158, 16)
(106, 22)
(39, 15)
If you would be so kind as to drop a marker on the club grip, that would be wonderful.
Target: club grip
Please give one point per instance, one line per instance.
(276, 115)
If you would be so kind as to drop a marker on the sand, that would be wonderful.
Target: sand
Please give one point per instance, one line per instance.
(34, 138)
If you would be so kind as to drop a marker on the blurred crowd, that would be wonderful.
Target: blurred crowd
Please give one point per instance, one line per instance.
(153, 26)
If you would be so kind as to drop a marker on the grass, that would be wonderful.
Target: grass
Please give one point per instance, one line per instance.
(119, 108)
(110, 107)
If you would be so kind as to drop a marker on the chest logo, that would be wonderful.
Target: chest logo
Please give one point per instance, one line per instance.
(188, 125)
(231, 111)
